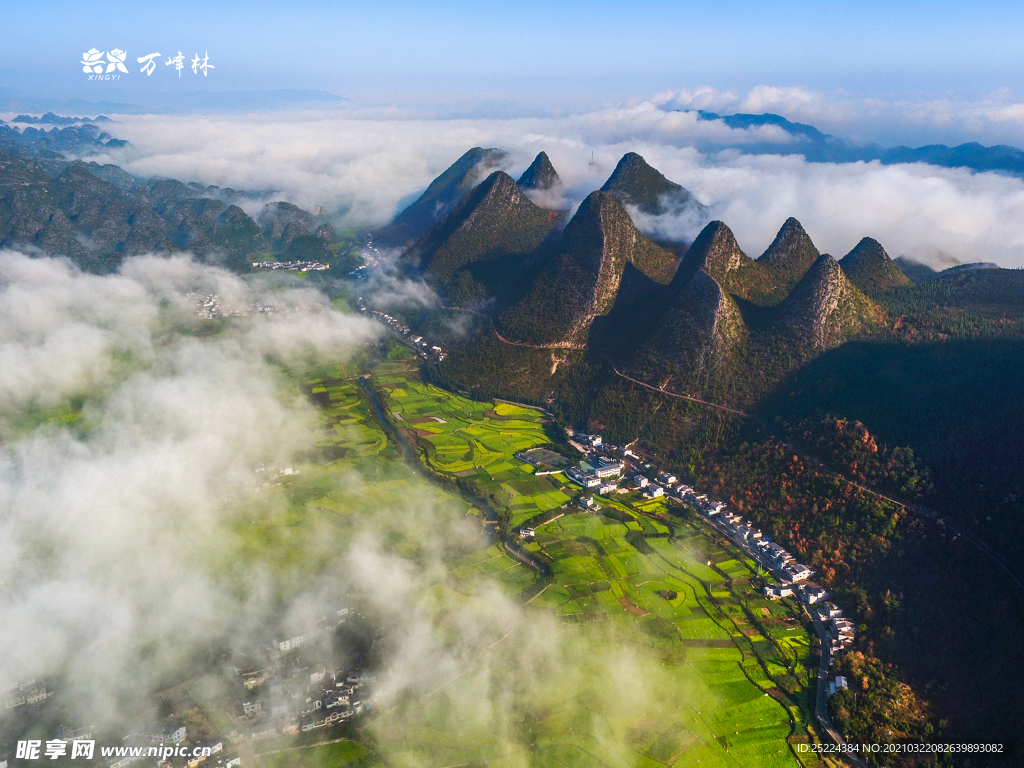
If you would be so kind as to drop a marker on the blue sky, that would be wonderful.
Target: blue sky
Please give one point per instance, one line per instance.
(357, 47)
(419, 52)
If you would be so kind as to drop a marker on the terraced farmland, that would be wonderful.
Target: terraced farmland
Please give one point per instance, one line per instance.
(669, 656)
(461, 438)
(650, 576)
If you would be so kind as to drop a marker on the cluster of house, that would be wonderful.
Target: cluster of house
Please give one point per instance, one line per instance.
(292, 266)
(606, 461)
(294, 693)
(664, 484)
(599, 473)
(208, 307)
(839, 632)
(298, 699)
(25, 693)
(423, 348)
(791, 575)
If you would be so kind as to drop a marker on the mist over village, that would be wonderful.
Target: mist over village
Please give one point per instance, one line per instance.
(548, 386)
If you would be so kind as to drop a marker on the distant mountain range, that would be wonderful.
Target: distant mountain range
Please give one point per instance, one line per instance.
(98, 214)
(77, 137)
(51, 119)
(821, 147)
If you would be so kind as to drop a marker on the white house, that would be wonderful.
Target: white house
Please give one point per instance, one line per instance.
(796, 571)
(836, 685)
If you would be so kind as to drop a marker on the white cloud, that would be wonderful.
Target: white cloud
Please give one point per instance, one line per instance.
(920, 211)
(113, 536)
(365, 163)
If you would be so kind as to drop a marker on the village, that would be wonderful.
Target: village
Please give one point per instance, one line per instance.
(209, 307)
(608, 469)
(422, 347)
(292, 266)
(284, 688)
(296, 686)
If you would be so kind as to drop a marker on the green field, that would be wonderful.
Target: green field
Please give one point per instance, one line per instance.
(635, 653)
(461, 438)
(749, 661)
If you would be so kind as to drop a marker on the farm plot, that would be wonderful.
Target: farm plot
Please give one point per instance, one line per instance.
(708, 655)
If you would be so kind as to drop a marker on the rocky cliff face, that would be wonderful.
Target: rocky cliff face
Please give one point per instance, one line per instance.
(869, 267)
(824, 308)
(540, 176)
(581, 279)
(716, 252)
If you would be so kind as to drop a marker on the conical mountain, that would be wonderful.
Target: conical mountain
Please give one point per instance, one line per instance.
(634, 182)
(869, 268)
(693, 336)
(540, 176)
(716, 252)
(787, 260)
(493, 225)
(581, 278)
(825, 308)
(441, 196)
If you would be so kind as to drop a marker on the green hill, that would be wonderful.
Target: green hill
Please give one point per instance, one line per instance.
(580, 278)
(787, 260)
(691, 337)
(825, 308)
(541, 174)
(440, 197)
(634, 182)
(490, 231)
(869, 268)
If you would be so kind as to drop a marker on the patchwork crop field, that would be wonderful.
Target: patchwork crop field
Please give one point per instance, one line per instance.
(669, 655)
(650, 575)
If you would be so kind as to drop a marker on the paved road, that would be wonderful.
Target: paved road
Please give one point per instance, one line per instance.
(821, 700)
(503, 340)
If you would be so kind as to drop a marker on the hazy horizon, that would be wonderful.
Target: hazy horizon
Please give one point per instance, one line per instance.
(910, 74)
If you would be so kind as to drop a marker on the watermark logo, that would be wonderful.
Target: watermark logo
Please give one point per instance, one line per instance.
(178, 62)
(109, 65)
(34, 749)
(93, 64)
(37, 749)
(150, 65)
(204, 65)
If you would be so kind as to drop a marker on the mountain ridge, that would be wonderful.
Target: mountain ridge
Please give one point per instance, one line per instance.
(581, 278)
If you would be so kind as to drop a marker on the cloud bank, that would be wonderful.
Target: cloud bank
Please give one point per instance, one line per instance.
(122, 566)
(363, 165)
(114, 529)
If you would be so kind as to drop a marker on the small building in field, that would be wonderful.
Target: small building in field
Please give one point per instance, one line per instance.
(654, 491)
(778, 591)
